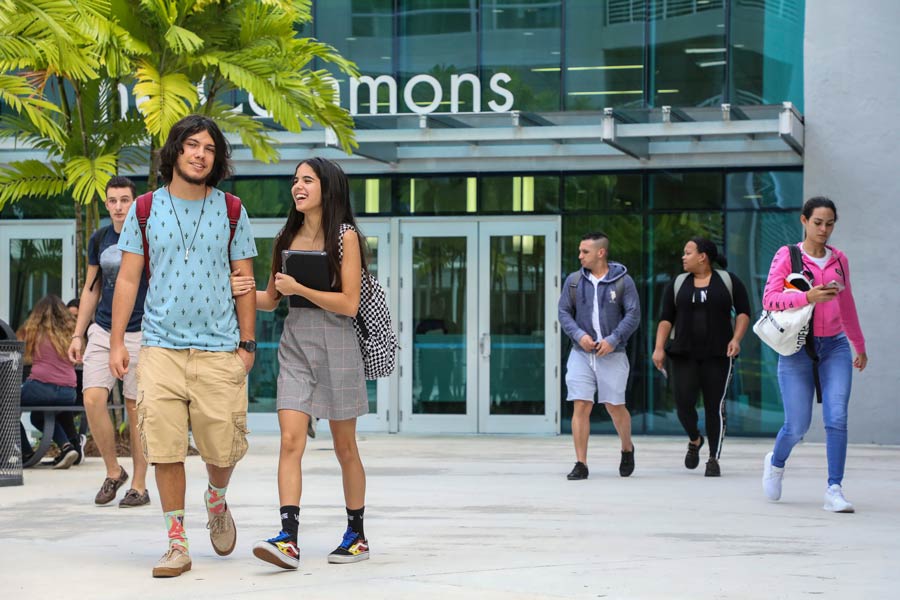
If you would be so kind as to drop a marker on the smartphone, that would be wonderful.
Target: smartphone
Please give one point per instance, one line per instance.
(835, 284)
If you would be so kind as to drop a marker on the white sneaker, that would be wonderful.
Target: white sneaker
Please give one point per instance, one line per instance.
(835, 501)
(771, 479)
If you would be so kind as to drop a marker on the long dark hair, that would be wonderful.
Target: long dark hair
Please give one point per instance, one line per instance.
(709, 248)
(174, 147)
(336, 210)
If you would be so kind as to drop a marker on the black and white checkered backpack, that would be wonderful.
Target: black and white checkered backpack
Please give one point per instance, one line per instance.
(377, 340)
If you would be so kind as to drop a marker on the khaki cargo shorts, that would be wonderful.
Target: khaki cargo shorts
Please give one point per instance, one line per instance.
(199, 390)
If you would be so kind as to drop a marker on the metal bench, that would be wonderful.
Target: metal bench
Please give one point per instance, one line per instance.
(50, 424)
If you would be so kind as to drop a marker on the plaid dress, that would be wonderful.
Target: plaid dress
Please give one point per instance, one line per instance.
(321, 368)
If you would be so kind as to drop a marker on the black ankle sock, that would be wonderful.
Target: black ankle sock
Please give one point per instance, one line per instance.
(290, 520)
(355, 521)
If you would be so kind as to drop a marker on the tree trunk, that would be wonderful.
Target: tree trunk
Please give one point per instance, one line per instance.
(154, 166)
(79, 251)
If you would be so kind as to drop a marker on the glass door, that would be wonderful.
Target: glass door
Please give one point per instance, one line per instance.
(518, 339)
(438, 326)
(479, 338)
(36, 258)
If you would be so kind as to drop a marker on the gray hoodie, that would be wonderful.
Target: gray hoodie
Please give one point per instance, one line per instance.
(619, 317)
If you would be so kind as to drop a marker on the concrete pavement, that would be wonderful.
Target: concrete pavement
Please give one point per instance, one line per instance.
(482, 517)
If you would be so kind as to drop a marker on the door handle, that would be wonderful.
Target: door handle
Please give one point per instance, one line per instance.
(484, 345)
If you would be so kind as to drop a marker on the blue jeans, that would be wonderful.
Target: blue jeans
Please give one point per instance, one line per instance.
(795, 378)
(38, 393)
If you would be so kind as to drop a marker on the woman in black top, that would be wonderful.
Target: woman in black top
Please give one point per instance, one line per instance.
(702, 344)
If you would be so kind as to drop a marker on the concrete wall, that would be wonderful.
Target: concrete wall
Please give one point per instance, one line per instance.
(852, 99)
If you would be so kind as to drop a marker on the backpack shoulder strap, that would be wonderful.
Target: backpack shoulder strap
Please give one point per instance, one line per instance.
(233, 207)
(573, 285)
(620, 293)
(679, 281)
(142, 212)
(725, 276)
(796, 259)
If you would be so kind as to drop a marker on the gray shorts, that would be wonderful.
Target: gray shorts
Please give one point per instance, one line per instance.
(587, 374)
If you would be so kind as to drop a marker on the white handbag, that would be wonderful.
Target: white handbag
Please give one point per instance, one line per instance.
(784, 331)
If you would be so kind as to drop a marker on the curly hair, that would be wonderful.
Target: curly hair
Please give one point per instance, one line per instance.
(49, 318)
(174, 147)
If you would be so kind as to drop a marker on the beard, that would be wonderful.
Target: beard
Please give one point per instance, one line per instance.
(188, 178)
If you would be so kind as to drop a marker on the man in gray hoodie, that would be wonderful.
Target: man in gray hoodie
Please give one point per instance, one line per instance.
(599, 309)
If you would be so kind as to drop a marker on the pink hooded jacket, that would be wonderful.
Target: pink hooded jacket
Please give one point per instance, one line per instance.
(829, 318)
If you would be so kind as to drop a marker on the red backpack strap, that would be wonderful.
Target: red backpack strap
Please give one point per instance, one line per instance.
(233, 207)
(142, 212)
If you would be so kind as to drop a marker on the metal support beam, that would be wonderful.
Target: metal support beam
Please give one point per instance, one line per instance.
(636, 148)
(791, 128)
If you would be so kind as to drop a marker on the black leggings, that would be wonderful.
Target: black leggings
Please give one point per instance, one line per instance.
(711, 375)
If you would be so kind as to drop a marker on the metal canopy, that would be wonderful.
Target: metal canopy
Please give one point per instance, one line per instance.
(615, 139)
(657, 138)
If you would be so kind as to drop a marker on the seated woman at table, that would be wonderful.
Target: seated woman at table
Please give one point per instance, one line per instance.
(46, 334)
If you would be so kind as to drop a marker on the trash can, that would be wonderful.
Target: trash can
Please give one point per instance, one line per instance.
(11, 355)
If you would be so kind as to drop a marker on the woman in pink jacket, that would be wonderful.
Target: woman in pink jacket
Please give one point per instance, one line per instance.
(834, 323)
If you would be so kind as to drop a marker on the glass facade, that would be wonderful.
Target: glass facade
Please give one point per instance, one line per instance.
(565, 55)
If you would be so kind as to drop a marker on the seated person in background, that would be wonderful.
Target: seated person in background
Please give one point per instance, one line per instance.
(46, 334)
(72, 306)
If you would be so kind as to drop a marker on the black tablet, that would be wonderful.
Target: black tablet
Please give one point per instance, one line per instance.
(309, 268)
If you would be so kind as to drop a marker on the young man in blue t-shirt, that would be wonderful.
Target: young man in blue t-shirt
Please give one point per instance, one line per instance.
(104, 258)
(198, 341)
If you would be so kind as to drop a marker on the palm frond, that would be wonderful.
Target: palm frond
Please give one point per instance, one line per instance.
(87, 177)
(169, 98)
(31, 179)
(183, 41)
(252, 131)
(16, 92)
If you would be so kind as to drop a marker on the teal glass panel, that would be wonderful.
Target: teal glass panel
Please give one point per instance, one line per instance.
(439, 316)
(261, 383)
(603, 192)
(438, 39)
(754, 405)
(687, 53)
(767, 52)
(263, 197)
(515, 194)
(35, 270)
(57, 207)
(361, 31)
(523, 40)
(686, 190)
(517, 327)
(753, 190)
(604, 55)
(371, 195)
(437, 195)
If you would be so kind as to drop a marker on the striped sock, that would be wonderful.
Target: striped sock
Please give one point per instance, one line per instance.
(215, 499)
(175, 526)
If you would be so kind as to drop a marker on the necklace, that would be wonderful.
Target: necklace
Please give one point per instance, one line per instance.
(187, 250)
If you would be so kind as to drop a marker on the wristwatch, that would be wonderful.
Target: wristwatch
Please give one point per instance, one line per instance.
(248, 345)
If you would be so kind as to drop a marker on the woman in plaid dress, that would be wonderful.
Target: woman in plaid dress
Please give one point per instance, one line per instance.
(321, 369)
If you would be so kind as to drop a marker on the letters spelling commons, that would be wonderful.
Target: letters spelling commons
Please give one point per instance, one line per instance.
(437, 94)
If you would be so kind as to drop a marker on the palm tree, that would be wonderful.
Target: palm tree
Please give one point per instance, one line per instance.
(60, 62)
(199, 51)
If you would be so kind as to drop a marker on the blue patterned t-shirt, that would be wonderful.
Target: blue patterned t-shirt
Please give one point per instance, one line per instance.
(189, 302)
